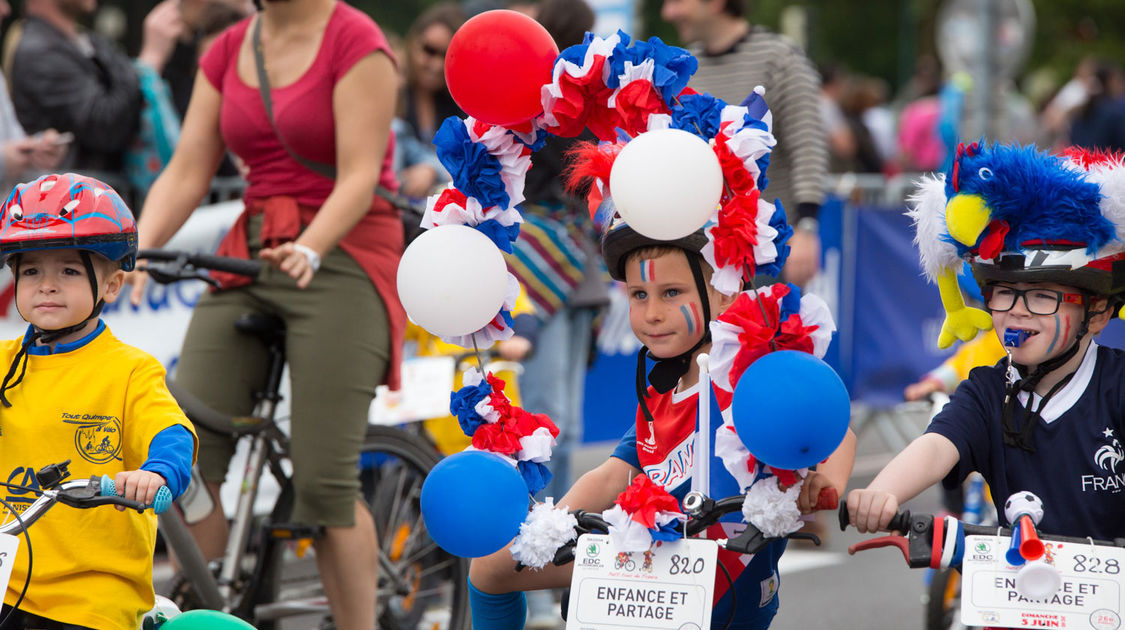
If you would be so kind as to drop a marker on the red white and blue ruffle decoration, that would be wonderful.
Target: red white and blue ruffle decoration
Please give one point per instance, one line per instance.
(496, 425)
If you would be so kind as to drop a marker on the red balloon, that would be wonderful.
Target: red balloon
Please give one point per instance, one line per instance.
(497, 63)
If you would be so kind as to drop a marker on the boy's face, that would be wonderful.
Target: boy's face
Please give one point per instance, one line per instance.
(1050, 334)
(53, 290)
(664, 308)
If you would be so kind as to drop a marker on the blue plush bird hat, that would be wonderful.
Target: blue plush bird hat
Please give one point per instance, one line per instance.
(1018, 214)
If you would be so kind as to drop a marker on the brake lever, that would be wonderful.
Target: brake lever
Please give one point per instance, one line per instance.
(90, 496)
(883, 541)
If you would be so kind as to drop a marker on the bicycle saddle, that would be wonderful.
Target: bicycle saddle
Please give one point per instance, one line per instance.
(270, 329)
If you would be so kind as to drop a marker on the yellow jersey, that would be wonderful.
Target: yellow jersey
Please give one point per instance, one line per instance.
(99, 403)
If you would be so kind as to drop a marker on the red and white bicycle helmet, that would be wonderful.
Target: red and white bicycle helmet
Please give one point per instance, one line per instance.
(68, 211)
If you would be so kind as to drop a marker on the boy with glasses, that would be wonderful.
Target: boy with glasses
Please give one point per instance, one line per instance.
(1040, 233)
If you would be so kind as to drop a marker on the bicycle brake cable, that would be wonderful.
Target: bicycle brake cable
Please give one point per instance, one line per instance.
(27, 578)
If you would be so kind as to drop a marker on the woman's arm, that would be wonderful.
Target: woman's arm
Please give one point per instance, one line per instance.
(593, 492)
(363, 124)
(187, 178)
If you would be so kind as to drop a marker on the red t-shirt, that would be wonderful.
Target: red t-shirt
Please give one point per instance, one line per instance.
(302, 110)
(287, 193)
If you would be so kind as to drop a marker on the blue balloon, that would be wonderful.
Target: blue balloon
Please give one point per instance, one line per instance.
(473, 503)
(790, 409)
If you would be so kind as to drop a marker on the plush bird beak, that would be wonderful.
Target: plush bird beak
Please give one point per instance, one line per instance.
(967, 216)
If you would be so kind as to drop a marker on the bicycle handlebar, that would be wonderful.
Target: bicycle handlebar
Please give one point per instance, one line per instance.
(83, 494)
(702, 512)
(925, 538)
(180, 265)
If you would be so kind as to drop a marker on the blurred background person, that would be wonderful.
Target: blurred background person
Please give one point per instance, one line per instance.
(424, 100)
(734, 57)
(416, 164)
(1099, 123)
(21, 156)
(70, 79)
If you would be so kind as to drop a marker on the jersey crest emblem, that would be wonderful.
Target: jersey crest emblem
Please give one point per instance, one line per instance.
(1109, 455)
(96, 438)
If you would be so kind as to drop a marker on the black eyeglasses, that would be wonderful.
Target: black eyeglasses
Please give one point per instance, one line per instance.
(433, 51)
(1001, 299)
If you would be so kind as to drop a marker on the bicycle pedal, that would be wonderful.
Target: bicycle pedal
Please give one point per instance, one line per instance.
(294, 531)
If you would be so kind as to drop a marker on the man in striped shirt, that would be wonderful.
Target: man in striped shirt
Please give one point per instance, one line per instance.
(734, 58)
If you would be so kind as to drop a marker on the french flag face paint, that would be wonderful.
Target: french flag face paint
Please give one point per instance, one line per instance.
(648, 270)
(691, 316)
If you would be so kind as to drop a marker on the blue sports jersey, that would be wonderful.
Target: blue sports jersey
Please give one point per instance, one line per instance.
(1077, 470)
(667, 458)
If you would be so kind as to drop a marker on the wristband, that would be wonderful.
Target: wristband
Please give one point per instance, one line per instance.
(310, 255)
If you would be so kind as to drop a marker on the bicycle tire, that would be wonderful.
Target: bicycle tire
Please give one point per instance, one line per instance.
(394, 463)
(943, 607)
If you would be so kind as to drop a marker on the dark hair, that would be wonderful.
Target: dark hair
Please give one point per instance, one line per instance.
(566, 20)
(735, 8)
(447, 14)
(217, 16)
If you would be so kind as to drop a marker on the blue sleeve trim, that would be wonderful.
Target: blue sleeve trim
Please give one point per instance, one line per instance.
(169, 455)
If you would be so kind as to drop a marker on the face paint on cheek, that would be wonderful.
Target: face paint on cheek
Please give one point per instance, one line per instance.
(1058, 327)
(691, 317)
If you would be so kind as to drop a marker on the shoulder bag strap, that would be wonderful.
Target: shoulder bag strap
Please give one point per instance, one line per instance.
(319, 168)
(398, 201)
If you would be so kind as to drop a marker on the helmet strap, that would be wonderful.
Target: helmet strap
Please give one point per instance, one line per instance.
(1021, 437)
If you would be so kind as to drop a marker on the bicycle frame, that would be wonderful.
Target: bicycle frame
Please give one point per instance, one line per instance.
(267, 446)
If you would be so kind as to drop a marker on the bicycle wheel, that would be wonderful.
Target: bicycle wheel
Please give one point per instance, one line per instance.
(418, 580)
(943, 607)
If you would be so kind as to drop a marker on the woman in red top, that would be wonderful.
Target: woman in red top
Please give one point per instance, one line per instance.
(333, 249)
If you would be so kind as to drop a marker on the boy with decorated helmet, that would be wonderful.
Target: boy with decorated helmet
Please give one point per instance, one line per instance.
(72, 391)
(1043, 235)
(686, 298)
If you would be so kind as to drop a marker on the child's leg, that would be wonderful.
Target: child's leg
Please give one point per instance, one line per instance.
(506, 611)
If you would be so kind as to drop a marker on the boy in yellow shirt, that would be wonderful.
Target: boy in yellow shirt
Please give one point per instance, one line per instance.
(72, 391)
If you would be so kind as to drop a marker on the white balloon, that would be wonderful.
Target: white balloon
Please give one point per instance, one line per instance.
(452, 280)
(666, 183)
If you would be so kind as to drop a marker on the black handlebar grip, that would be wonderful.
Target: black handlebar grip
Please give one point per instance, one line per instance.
(900, 522)
(238, 266)
(843, 516)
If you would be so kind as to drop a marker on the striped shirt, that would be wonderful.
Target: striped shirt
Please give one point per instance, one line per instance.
(800, 161)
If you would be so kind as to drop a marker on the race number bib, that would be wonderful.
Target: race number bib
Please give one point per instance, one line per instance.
(669, 586)
(1091, 594)
(9, 545)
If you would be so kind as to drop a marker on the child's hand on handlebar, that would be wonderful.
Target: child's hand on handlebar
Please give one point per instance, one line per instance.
(138, 485)
(810, 499)
(871, 510)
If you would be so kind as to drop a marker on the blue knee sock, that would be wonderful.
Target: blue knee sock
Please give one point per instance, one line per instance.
(507, 611)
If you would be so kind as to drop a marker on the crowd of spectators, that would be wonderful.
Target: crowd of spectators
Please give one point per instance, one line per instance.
(867, 133)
